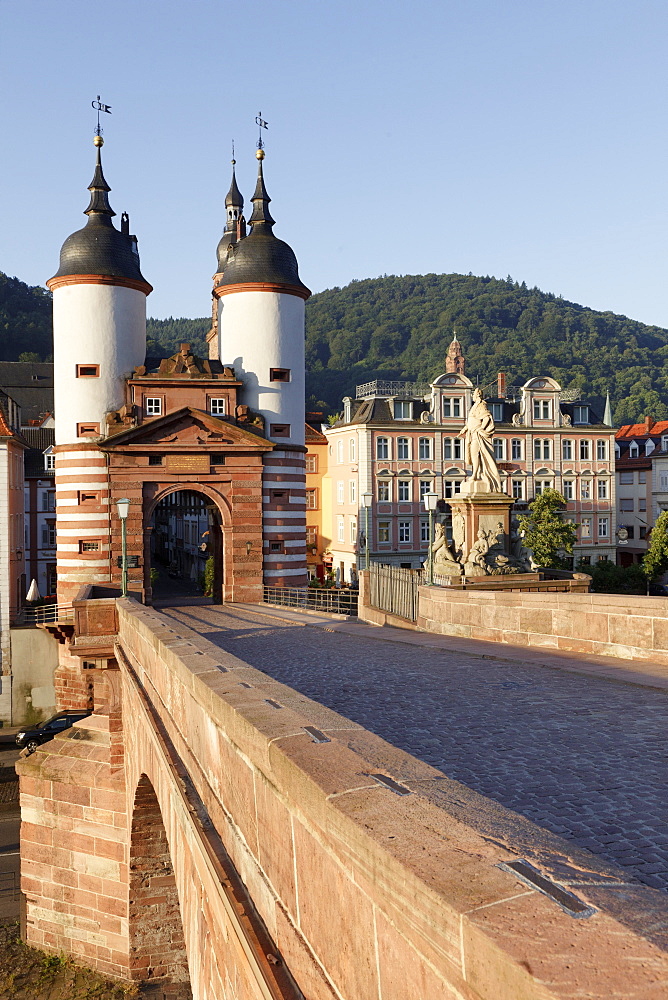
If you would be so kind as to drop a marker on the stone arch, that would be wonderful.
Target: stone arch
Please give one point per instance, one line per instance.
(220, 537)
(157, 943)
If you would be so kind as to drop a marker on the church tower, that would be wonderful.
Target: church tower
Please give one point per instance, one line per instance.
(455, 363)
(261, 335)
(99, 336)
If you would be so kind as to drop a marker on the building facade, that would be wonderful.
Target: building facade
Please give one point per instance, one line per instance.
(397, 441)
(642, 484)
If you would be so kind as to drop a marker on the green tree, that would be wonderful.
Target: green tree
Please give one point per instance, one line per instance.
(29, 356)
(546, 532)
(655, 562)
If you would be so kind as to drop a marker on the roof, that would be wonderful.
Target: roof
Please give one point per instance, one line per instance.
(260, 256)
(648, 428)
(31, 385)
(100, 248)
(38, 439)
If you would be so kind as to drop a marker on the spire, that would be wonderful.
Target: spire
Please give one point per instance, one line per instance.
(99, 189)
(607, 416)
(235, 224)
(454, 359)
(261, 216)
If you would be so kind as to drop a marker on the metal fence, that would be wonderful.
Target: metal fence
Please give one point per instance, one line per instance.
(328, 600)
(47, 614)
(395, 590)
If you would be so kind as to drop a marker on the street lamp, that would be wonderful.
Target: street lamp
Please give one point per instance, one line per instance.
(123, 508)
(367, 500)
(430, 500)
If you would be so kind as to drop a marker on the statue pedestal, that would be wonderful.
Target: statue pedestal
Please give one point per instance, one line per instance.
(474, 513)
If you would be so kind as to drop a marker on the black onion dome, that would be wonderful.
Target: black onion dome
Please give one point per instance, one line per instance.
(260, 256)
(100, 248)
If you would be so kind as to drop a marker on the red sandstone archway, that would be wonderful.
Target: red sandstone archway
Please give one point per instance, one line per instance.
(157, 944)
(219, 519)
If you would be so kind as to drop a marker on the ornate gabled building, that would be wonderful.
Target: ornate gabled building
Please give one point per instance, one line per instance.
(228, 428)
(397, 441)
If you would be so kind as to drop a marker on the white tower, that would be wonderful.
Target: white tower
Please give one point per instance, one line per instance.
(99, 337)
(261, 335)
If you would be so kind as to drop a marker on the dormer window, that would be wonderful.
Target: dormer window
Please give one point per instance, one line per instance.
(452, 406)
(633, 450)
(580, 414)
(49, 460)
(649, 446)
(542, 409)
(664, 442)
(403, 409)
(497, 412)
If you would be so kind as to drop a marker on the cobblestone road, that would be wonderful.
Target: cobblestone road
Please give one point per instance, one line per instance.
(582, 756)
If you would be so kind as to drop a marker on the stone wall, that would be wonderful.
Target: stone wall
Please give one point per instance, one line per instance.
(634, 628)
(372, 873)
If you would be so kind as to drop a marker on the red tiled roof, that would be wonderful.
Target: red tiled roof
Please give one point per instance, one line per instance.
(648, 428)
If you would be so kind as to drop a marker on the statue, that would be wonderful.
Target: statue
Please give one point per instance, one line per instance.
(521, 556)
(477, 434)
(458, 533)
(444, 561)
(476, 561)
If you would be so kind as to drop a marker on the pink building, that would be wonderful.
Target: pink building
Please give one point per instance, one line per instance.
(397, 441)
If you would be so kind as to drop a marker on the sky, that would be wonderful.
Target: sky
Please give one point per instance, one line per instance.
(486, 136)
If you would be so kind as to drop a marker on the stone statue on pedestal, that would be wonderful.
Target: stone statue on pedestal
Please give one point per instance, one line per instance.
(479, 442)
(444, 560)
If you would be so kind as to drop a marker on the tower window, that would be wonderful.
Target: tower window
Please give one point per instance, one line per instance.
(87, 498)
(218, 407)
(217, 459)
(88, 371)
(279, 374)
(280, 496)
(279, 430)
(276, 546)
(88, 430)
(89, 545)
(152, 406)
(155, 459)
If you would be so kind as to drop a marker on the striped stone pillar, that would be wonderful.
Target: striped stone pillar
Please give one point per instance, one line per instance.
(83, 519)
(284, 517)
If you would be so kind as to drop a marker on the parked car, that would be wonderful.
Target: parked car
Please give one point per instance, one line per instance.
(32, 737)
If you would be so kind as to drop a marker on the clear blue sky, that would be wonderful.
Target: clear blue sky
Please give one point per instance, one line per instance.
(489, 136)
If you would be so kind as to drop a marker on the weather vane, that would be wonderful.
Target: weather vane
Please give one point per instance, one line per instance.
(261, 123)
(100, 107)
(233, 160)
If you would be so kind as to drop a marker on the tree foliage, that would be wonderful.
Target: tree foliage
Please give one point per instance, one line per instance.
(400, 327)
(546, 532)
(608, 578)
(655, 560)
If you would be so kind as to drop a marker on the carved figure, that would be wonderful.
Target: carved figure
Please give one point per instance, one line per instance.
(521, 556)
(478, 435)
(444, 560)
(476, 561)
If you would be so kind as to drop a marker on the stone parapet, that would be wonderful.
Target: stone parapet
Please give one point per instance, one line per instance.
(634, 628)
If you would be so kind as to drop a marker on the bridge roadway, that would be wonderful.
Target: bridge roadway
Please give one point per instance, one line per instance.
(580, 754)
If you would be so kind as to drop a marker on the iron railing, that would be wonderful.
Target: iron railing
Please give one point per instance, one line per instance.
(329, 600)
(395, 590)
(380, 387)
(47, 614)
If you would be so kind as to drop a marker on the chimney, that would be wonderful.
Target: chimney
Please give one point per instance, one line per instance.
(501, 385)
(649, 423)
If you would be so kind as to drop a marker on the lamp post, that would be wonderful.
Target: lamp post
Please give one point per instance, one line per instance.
(123, 507)
(367, 500)
(430, 500)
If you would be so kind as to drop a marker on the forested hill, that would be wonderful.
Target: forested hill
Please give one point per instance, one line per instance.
(400, 327)
(25, 321)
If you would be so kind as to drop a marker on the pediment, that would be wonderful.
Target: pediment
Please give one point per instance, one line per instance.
(188, 428)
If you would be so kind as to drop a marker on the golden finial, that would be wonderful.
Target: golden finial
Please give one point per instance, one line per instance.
(98, 140)
(260, 154)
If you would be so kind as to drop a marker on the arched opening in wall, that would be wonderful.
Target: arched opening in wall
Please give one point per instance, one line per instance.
(157, 944)
(186, 549)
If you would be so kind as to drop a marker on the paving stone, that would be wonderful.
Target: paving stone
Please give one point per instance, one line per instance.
(582, 755)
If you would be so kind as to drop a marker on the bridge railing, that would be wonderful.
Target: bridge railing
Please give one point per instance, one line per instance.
(328, 600)
(47, 614)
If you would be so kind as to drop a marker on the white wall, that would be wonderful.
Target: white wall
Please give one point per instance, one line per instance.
(94, 324)
(261, 330)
